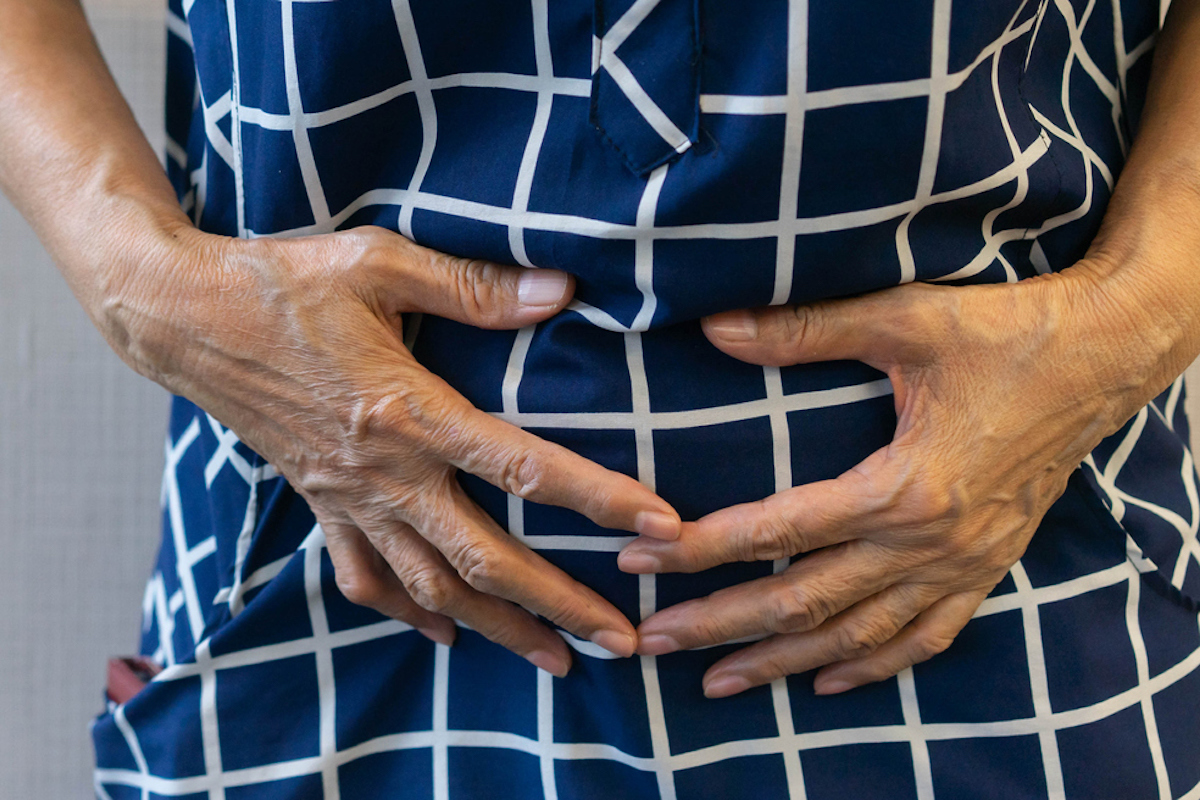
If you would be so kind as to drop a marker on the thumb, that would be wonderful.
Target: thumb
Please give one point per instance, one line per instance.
(476, 292)
(779, 336)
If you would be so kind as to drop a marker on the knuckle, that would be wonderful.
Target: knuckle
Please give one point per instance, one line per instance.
(315, 476)
(776, 537)
(430, 588)
(852, 640)
(360, 583)
(926, 645)
(414, 411)
(792, 611)
(803, 322)
(522, 474)
(359, 586)
(930, 501)
(477, 564)
(478, 289)
(369, 416)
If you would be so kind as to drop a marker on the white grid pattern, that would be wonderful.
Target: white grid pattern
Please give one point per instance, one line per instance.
(559, 751)
(628, 83)
(644, 422)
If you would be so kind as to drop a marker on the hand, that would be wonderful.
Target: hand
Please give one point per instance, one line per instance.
(296, 345)
(1000, 392)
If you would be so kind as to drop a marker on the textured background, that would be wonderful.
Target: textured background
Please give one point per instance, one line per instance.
(80, 453)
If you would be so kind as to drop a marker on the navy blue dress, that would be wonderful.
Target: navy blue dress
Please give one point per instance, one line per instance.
(679, 157)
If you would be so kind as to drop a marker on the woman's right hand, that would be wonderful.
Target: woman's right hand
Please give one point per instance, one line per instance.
(297, 346)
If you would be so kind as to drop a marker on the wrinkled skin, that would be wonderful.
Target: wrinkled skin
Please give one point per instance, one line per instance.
(302, 355)
(1000, 392)
(296, 346)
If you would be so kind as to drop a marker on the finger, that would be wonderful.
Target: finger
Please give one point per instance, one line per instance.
(534, 469)
(929, 634)
(800, 598)
(856, 632)
(472, 291)
(871, 328)
(797, 520)
(492, 562)
(435, 585)
(365, 579)
(430, 415)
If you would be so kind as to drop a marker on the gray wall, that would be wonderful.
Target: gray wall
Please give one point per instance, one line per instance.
(80, 452)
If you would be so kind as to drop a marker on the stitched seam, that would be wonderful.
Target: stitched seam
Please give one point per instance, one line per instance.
(643, 169)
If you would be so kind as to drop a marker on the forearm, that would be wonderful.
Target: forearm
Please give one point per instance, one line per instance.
(74, 161)
(1146, 258)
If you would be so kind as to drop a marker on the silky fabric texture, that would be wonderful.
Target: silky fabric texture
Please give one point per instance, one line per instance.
(679, 158)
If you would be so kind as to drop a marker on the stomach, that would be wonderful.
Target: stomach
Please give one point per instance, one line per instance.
(703, 430)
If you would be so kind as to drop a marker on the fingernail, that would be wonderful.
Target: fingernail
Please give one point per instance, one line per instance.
(541, 287)
(736, 326)
(638, 563)
(657, 525)
(657, 644)
(553, 663)
(621, 644)
(438, 635)
(832, 686)
(725, 686)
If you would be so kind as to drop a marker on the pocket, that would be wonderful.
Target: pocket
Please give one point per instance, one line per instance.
(645, 99)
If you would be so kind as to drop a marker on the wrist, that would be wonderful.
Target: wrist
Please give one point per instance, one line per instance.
(1134, 299)
(1133, 323)
(132, 262)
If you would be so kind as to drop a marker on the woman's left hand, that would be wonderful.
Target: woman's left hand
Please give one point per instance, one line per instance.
(1000, 392)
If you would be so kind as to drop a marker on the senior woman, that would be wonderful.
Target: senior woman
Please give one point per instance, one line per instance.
(879, 467)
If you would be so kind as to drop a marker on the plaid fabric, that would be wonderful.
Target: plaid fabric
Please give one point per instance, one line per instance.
(680, 158)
